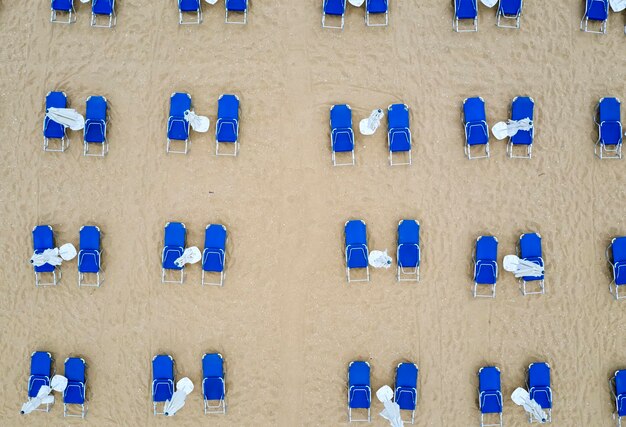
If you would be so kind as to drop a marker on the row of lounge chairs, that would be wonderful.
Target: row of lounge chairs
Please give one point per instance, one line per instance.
(336, 10)
(63, 12)
(508, 14)
(190, 11)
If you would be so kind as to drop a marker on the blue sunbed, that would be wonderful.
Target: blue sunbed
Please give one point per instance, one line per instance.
(356, 249)
(95, 131)
(43, 238)
(240, 7)
(408, 252)
(52, 129)
(89, 255)
(227, 125)
(103, 8)
(617, 259)
(177, 124)
(405, 394)
(376, 7)
(63, 7)
(341, 133)
(486, 265)
(618, 390)
(399, 132)
(489, 394)
(162, 380)
(538, 383)
(509, 10)
(173, 248)
(41, 372)
(333, 8)
(359, 391)
(465, 10)
(597, 11)
(609, 121)
(475, 125)
(213, 383)
(522, 107)
(214, 254)
(530, 250)
(74, 393)
(191, 8)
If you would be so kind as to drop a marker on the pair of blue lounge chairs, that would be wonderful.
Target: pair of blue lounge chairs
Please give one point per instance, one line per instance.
(360, 392)
(477, 131)
(226, 127)
(41, 373)
(99, 9)
(337, 8)
(596, 11)
(213, 382)
(490, 391)
(407, 253)
(94, 133)
(194, 9)
(89, 256)
(398, 134)
(616, 256)
(213, 255)
(618, 390)
(609, 121)
(507, 15)
(486, 264)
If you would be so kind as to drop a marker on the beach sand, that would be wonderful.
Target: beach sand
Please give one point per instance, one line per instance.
(285, 321)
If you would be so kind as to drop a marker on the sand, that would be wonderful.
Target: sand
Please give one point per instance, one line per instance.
(286, 322)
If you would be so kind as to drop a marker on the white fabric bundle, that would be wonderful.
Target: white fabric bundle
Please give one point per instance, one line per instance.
(54, 256)
(184, 386)
(190, 256)
(368, 126)
(379, 259)
(509, 128)
(392, 410)
(521, 268)
(522, 398)
(198, 123)
(67, 117)
(618, 6)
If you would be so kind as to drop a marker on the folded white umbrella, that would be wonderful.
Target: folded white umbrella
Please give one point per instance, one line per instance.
(489, 3)
(198, 123)
(618, 5)
(54, 256)
(522, 398)
(368, 126)
(68, 117)
(57, 383)
(356, 3)
(392, 410)
(184, 386)
(190, 256)
(509, 128)
(520, 267)
(379, 259)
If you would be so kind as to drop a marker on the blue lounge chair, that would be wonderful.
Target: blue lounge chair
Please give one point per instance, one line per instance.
(475, 124)
(43, 238)
(597, 11)
(356, 249)
(41, 372)
(191, 9)
(406, 388)
(538, 383)
(376, 7)
(103, 8)
(509, 10)
(227, 125)
(213, 383)
(359, 391)
(173, 248)
(177, 124)
(489, 394)
(74, 393)
(399, 132)
(214, 254)
(617, 259)
(408, 252)
(95, 131)
(162, 381)
(486, 266)
(522, 107)
(618, 390)
(52, 129)
(239, 7)
(62, 7)
(465, 10)
(89, 255)
(530, 250)
(609, 121)
(333, 8)
(341, 133)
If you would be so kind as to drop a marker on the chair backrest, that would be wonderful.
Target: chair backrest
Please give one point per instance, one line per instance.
(487, 248)
(215, 236)
(228, 107)
(620, 382)
(618, 247)
(89, 237)
(62, 5)
(355, 232)
(41, 363)
(489, 378)
(75, 369)
(510, 7)
(175, 234)
(597, 9)
(522, 107)
(530, 245)
(406, 375)
(408, 232)
(163, 367)
(609, 110)
(358, 373)
(341, 116)
(212, 365)
(43, 237)
(398, 116)
(179, 103)
(474, 110)
(96, 108)
(539, 375)
(104, 7)
(56, 100)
